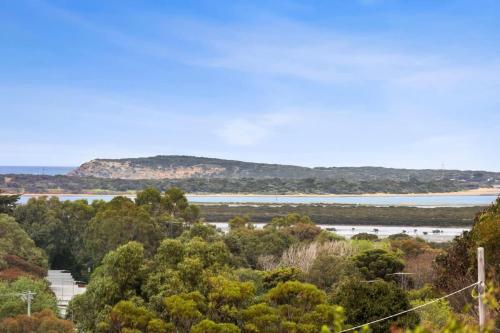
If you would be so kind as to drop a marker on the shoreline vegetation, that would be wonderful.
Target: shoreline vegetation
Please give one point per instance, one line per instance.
(256, 179)
(335, 214)
(166, 264)
(341, 214)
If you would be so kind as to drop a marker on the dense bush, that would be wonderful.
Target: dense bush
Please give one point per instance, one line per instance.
(18, 253)
(73, 184)
(12, 304)
(158, 269)
(40, 322)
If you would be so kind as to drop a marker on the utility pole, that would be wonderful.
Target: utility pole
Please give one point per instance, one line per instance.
(481, 287)
(28, 297)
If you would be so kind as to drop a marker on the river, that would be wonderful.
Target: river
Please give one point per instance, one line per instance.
(433, 234)
(378, 200)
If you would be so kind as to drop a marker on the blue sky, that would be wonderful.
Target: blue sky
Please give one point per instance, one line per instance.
(410, 84)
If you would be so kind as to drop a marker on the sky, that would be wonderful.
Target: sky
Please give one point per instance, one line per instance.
(411, 84)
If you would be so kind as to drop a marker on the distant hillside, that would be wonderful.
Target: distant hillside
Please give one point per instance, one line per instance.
(183, 167)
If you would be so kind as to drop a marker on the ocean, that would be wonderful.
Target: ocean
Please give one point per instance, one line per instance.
(36, 170)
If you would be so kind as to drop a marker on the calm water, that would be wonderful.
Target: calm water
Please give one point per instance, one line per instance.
(437, 200)
(415, 201)
(35, 170)
(427, 233)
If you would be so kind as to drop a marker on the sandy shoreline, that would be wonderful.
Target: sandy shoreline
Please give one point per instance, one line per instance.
(478, 192)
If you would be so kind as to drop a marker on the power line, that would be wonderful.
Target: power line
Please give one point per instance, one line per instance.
(409, 310)
(26, 296)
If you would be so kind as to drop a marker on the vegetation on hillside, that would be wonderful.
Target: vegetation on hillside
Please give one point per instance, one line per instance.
(155, 267)
(23, 267)
(16, 183)
(230, 169)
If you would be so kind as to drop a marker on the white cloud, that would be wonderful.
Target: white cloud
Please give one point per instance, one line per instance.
(282, 47)
(252, 131)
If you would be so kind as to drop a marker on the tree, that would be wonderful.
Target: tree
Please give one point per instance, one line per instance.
(295, 298)
(8, 202)
(226, 297)
(326, 271)
(378, 263)
(240, 222)
(117, 223)
(250, 244)
(280, 275)
(304, 231)
(18, 253)
(126, 315)
(364, 302)
(292, 306)
(486, 233)
(120, 277)
(204, 231)
(365, 236)
(208, 326)
(410, 247)
(150, 198)
(210, 254)
(58, 228)
(40, 322)
(261, 317)
(170, 253)
(456, 267)
(289, 220)
(184, 309)
(11, 303)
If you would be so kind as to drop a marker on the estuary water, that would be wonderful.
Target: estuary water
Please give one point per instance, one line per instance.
(383, 200)
(432, 234)
(435, 234)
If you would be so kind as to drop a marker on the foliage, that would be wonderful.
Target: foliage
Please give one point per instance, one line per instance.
(346, 214)
(40, 322)
(240, 222)
(118, 222)
(457, 266)
(184, 309)
(289, 220)
(280, 275)
(12, 304)
(434, 315)
(17, 249)
(208, 326)
(335, 184)
(77, 235)
(328, 270)
(226, 297)
(378, 264)
(365, 236)
(364, 302)
(247, 245)
(411, 247)
(118, 278)
(58, 228)
(167, 272)
(302, 307)
(486, 233)
(8, 202)
(126, 316)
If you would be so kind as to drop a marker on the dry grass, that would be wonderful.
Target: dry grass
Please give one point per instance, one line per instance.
(302, 256)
